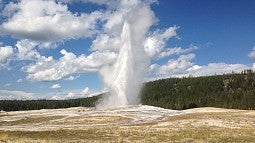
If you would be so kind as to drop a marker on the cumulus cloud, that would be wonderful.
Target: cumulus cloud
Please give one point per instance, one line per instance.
(100, 2)
(55, 86)
(85, 91)
(5, 53)
(156, 41)
(177, 66)
(19, 80)
(104, 42)
(184, 67)
(176, 51)
(72, 77)
(17, 95)
(112, 4)
(56, 97)
(48, 69)
(109, 39)
(252, 53)
(216, 68)
(47, 21)
(9, 9)
(75, 94)
(26, 51)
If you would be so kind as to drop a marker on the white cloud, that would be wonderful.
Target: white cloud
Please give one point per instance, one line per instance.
(100, 2)
(72, 77)
(48, 69)
(55, 86)
(104, 42)
(253, 66)
(216, 68)
(112, 4)
(5, 53)
(19, 80)
(156, 42)
(47, 21)
(177, 50)
(9, 9)
(183, 66)
(56, 97)
(75, 94)
(85, 91)
(252, 53)
(17, 95)
(177, 66)
(26, 51)
(194, 68)
(109, 39)
(71, 95)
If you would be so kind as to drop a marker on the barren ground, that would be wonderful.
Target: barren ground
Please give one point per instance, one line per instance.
(139, 123)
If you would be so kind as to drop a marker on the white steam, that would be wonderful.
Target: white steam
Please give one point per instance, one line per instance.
(125, 76)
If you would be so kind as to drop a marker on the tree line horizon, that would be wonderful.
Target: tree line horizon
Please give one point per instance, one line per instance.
(232, 91)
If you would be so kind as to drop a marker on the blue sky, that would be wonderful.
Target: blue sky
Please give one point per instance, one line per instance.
(223, 29)
(55, 49)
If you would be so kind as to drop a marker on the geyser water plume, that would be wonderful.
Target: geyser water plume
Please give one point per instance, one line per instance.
(125, 76)
(123, 70)
(122, 74)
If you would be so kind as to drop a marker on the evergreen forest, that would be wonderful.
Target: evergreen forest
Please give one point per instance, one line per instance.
(234, 91)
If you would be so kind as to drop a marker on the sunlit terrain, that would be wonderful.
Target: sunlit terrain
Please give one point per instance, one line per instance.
(139, 123)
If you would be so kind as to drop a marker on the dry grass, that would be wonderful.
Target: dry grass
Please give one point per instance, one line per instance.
(33, 120)
(132, 134)
(2, 114)
(93, 120)
(195, 126)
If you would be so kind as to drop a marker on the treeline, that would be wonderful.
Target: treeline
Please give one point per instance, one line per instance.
(17, 105)
(236, 91)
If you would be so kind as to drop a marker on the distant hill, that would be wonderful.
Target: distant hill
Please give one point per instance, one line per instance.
(236, 91)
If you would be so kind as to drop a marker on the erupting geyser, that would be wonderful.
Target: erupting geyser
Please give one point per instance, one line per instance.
(123, 69)
(125, 76)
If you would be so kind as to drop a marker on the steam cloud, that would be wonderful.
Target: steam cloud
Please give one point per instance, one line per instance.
(125, 76)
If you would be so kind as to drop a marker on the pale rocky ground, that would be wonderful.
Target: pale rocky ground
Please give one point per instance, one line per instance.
(138, 123)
